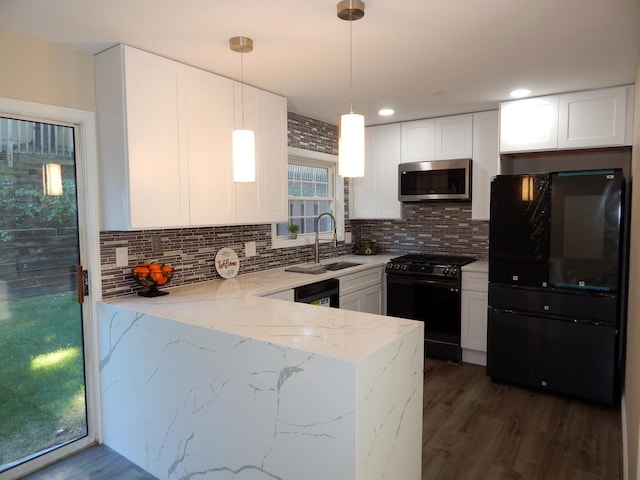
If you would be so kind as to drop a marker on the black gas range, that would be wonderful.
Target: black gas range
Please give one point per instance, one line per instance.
(427, 287)
(428, 265)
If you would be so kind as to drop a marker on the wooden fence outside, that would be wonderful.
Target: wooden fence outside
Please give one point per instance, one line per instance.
(37, 261)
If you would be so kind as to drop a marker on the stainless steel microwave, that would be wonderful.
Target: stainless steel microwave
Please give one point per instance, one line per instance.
(440, 180)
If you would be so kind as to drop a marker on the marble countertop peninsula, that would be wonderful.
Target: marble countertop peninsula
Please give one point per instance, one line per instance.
(236, 306)
(215, 381)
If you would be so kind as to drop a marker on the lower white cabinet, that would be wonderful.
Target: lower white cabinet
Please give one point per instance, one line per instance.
(363, 291)
(473, 321)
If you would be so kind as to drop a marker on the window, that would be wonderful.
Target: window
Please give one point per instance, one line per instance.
(314, 188)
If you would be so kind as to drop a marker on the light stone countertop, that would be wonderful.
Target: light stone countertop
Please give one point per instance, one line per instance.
(236, 306)
(481, 266)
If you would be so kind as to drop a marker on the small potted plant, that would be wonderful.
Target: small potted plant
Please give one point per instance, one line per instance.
(293, 230)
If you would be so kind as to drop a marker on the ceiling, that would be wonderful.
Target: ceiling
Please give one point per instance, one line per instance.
(423, 58)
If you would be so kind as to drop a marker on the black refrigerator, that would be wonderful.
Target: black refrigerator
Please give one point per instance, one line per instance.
(556, 281)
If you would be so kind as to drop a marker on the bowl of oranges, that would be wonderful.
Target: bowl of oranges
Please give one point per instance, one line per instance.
(151, 276)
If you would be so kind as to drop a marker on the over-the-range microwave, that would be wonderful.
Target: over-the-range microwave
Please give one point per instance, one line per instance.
(439, 180)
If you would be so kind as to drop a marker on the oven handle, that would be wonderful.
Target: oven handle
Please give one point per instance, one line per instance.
(412, 280)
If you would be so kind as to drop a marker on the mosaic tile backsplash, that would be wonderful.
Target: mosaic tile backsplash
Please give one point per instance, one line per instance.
(433, 228)
(428, 228)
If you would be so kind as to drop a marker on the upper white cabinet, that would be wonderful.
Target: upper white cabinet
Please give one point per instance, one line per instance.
(529, 124)
(266, 199)
(590, 119)
(454, 137)
(595, 118)
(375, 196)
(164, 140)
(442, 138)
(212, 193)
(486, 162)
(419, 141)
(143, 165)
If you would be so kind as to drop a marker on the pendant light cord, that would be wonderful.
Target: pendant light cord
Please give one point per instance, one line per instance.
(242, 86)
(350, 66)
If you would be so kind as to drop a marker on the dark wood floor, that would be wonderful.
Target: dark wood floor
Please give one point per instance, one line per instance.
(473, 429)
(478, 429)
(95, 463)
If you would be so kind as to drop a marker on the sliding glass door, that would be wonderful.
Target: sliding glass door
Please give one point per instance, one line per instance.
(42, 360)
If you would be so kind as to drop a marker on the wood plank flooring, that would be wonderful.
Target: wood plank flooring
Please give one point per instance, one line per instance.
(474, 429)
(94, 463)
(478, 429)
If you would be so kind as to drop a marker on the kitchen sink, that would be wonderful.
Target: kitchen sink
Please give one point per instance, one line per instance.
(340, 265)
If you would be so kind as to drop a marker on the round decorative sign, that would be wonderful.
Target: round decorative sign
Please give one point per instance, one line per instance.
(227, 263)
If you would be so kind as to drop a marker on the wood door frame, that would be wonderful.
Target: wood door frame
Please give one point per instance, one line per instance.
(84, 124)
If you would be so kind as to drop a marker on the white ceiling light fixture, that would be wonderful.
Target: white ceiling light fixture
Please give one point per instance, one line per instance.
(520, 93)
(386, 112)
(244, 143)
(351, 142)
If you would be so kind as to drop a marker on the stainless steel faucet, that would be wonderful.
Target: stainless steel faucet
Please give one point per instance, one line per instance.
(335, 234)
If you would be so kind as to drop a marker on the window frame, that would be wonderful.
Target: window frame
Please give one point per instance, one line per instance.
(318, 159)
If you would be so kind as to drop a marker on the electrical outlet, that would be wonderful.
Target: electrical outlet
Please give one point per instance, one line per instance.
(156, 244)
(250, 249)
(347, 237)
(122, 256)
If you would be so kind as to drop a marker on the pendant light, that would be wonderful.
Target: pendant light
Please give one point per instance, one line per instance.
(244, 150)
(351, 142)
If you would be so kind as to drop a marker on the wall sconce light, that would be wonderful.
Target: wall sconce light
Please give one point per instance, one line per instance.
(52, 179)
(243, 141)
(351, 141)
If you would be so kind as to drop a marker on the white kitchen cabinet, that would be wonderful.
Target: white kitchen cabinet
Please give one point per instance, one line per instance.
(266, 199)
(143, 164)
(363, 291)
(454, 137)
(473, 321)
(442, 138)
(164, 139)
(419, 140)
(367, 300)
(529, 124)
(593, 118)
(210, 120)
(486, 162)
(375, 196)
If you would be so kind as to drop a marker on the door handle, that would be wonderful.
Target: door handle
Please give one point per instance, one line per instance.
(82, 283)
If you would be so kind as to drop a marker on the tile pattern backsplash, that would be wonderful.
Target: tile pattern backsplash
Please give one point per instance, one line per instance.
(425, 227)
(192, 251)
(429, 228)
(310, 134)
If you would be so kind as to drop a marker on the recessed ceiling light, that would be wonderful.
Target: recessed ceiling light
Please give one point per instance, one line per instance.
(385, 112)
(520, 93)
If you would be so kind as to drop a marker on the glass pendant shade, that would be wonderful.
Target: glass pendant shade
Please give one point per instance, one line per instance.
(351, 147)
(52, 179)
(244, 156)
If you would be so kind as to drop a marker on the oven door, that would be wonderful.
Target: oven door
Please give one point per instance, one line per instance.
(436, 303)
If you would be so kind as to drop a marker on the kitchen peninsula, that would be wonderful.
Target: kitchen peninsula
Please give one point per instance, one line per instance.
(215, 381)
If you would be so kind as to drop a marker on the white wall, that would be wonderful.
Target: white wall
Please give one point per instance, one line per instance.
(42, 72)
(631, 398)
